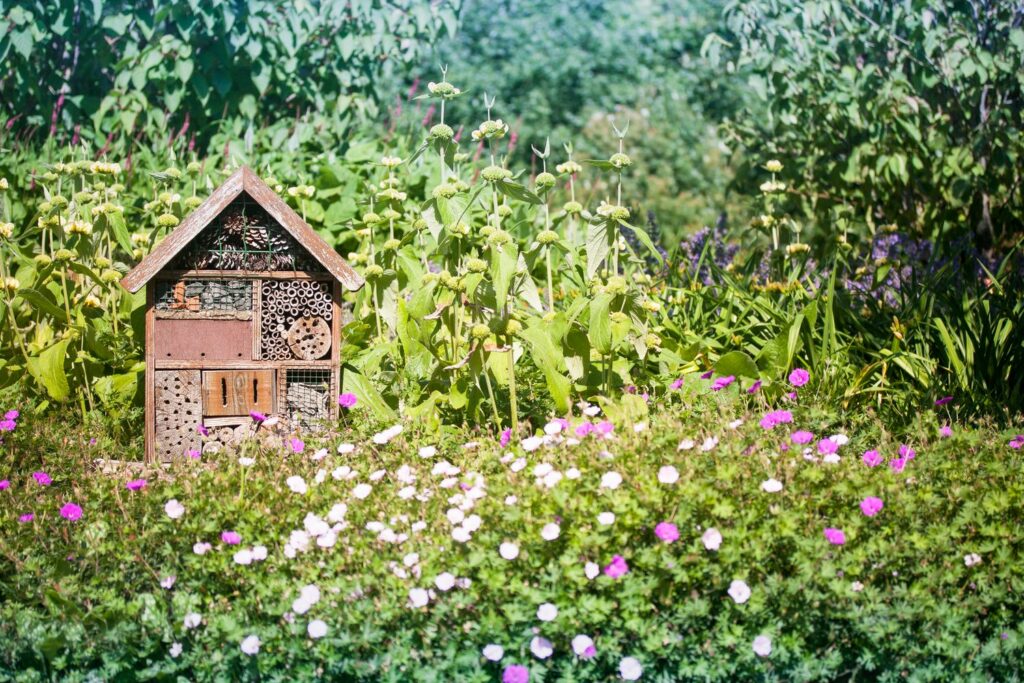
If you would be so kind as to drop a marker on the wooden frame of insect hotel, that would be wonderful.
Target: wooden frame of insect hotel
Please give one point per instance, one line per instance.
(243, 316)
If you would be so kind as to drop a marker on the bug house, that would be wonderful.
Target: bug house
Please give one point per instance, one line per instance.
(243, 315)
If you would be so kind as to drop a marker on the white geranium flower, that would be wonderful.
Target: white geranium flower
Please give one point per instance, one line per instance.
(316, 629)
(493, 652)
(243, 557)
(319, 454)
(668, 474)
(532, 443)
(444, 581)
(472, 523)
(174, 509)
(250, 645)
(337, 513)
(361, 491)
(508, 551)
(686, 444)
(192, 620)
(175, 650)
(547, 612)
(591, 570)
(455, 515)
(310, 593)
(553, 427)
(630, 669)
(583, 645)
(551, 531)
(739, 591)
(606, 518)
(712, 538)
(381, 438)
(296, 484)
(709, 443)
(201, 548)
(259, 552)
(762, 646)
(611, 480)
(541, 647)
(418, 597)
(246, 462)
(572, 473)
(461, 534)
(518, 465)
(428, 451)
(972, 559)
(771, 486)
(346, 448)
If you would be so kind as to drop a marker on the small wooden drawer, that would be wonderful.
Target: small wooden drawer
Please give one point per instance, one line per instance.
(237, 392)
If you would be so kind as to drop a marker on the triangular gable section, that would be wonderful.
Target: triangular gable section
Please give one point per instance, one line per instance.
(247, 182)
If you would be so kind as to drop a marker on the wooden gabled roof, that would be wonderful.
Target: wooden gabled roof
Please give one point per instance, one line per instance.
(242, 180)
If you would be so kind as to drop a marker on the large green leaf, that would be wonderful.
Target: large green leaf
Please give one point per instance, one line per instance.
(600, 324)
(598, 246)
(368, 396)
(48, 369)
(504, 260)
(737, 363)
(548, 358)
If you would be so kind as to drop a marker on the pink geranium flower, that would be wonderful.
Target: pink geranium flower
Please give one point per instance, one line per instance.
(802, 436)
(297, 445)
(666, 532)
(1017, 441)
(617, 567)
(871, 506)
(42, 478)
(231, 537)
(799, 377)
(835, 536)
(907, 453)
(4, 485)
(677, 384)
(348, 400)
(506, 437)
(945, 431)
(827, 446)
(755, 387)
(257, 417)
(872, 458)
(135, 484)
(71, 512)
(897, 465)
(203, 431)
(515, 673)
(27, 517)
(722, 382)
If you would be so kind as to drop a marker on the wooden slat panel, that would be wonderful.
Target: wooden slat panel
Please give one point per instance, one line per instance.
(203, 340)
(237, 392)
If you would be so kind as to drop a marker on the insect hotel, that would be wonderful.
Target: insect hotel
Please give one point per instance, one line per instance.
(243, 316)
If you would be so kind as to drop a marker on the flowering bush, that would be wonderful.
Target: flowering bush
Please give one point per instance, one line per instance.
(619, 544)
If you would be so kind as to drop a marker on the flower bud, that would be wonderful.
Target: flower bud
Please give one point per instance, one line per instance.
(6, 230)
(441, 131)
(91, 301)
(513, 326)
(392, 244)
(504, 210)
(42, 260)
(167, 220)
(445, 190)
(64, 255)
(110, 276)
(77, 227)
(773, 166)
(493, 174)
(371, 218)
(480, 331)
(102, 262)
(547, 237)
(444, 90)
(373, 271)
(572, 208)
(798, 248)
(390, 162)
(569, 167)
(545, 181)
(476, 265)
(191, 203)
(194, 167)
(620, 160)
(11, 284)
(172, 172)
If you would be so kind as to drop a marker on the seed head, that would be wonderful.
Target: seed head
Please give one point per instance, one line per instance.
(572, 208)
(390, 162)
(621, 161)
(6, 230)
(64, 255)
(167, 220)
(493, 174)
(476, 265)
(444, 90)
(194, 167)
(441, 131)
(547, 237)
(371, 218)
(77, 227)
(569, 167)
(613, 211)
(545, 181)
(490, 130)
(773, 166)
(480, 331)
(373, 271)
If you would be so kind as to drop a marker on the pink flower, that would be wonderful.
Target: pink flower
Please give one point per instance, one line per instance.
(872, 458)
(583, 429)
(827, 446)
(194, 453)
(231, 537)
(707, 375)
(897, 465)
(667, 532)
(677, 384)
(604, 428)
(1017, 441)
(203, 431)
(943, 401)
(348, 400)
(871, 506)
(4, 485)
(799, 377)
(945, 431)
(257, 417)
(71, 512)
(506, 437)
(27, 517)
(906, 452)
(135, 484)
(42, 478)
(617, 568)
(515, 673)
(754, 387)
(722, 382)
(298, 445)
(801, 437)
(776, 417)
(11, 415)
(835, 536)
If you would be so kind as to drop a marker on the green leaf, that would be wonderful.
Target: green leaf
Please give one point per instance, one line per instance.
(737, 363)
(368, 396)
(517, 191)
(645, 239)
(48, 370)
(40, 301)
(598, 247)
(548, 358)
(600, 333)
(503, 269)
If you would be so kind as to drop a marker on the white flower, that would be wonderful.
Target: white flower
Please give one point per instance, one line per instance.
(250, 645)
(472, 523)
(316, 629)
(493, 653)
(381, 438)
(591, 570)
(542, 469)
(428, 451)
(639, 427)
(246, 462)
(508, 551)
(551, 479)
(337, 513)
(532, 443)
(972, 559)
(736, 424)
(572, 473)
(315, 526)
(243, 556)
(455, 515)
(175, 650)
(377, 475)
(410, 559)
(174, 509)
(362, 491)
(192, 620)
(299, 539)
(444, 581)
(511, 500)
(771, 485)
(591, 411)
(582, 643)
(319, 454)
(327, 540)
(541, 647)
(762, 646)
(685, 444)
(630, 669)
(301, 605)
(668, 474)
(518, 465)
(310, 593)
(739, 591)
(201, 548)
(856, 586)
(346, 448)
(296, 484)
(553, 427)
(342, 472)
(547, 612)
(611, 480)
(606, 518)
(840, 439)
(550, 532)
(418, 597)
(168, 582)
(407, 492)
(709, 443)
(712, 538)
(831, 458)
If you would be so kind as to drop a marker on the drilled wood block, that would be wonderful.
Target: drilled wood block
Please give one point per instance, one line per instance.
(178, 412)
(237, 392)
(309, 338)
(202, 340)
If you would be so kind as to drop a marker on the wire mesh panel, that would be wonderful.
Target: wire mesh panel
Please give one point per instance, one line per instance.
(295, 320)
(245, 237)
(306, 396)
(204, 295)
